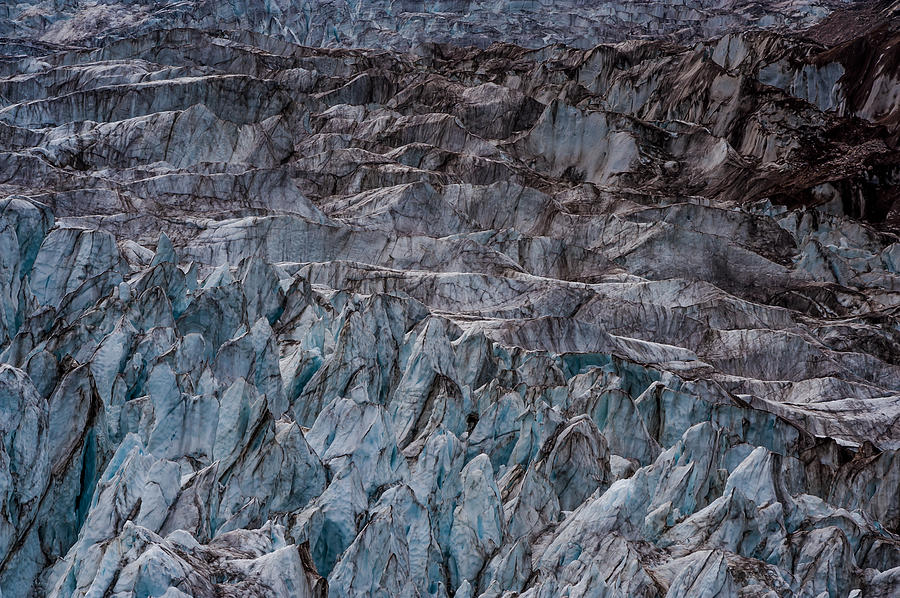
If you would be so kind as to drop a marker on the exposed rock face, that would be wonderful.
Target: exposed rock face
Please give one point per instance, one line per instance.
(434, 320)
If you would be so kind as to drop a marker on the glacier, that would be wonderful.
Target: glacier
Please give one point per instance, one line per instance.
(456, 299)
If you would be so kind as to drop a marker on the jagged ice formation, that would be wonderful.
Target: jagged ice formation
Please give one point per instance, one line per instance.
(524, 299)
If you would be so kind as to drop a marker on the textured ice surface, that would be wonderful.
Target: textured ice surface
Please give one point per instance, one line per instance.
(426, 319)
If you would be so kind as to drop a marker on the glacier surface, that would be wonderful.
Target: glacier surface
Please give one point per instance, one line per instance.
(487, 308)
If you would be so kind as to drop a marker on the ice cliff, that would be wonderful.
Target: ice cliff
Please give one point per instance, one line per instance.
(520, 299)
